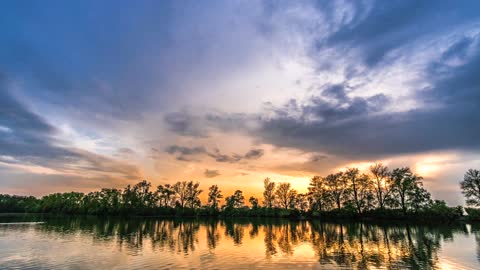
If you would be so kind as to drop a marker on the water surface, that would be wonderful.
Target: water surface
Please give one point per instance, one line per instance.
(34, 242)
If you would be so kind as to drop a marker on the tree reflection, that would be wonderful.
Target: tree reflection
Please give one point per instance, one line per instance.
(347, 245)
(235, 231)
(213, 236)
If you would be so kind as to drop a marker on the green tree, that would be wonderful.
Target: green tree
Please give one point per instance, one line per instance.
(214, 196)
(268, 193)
(471, 187)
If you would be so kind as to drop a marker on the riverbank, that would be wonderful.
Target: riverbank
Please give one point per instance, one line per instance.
(448, 214)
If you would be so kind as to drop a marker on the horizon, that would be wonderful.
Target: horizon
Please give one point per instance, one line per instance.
(105, 94)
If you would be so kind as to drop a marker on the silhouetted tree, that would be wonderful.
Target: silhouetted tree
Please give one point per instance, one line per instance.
(285, 195)
(214, 196)
(236, 200)
(337, 187)
(165, 195)
(192, 193)
(381, 183)
(419, 198)
(253, 202)
(471, 187)
(181, 193)
(318, 193)
(268, 193)
(404, 183)
(360, 187)
(301, 202)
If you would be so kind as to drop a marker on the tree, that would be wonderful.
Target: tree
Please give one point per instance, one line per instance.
(419, 198)
(360, 187)
(180, 189)
(192, 194)
(381, 183)
(471, 187)
(301, 202)
(253, 202)
(285, 195)
(318, 193)
(269, 193)
(214, 196)
(337, 186)
(236, 200)
(404, 183)
(165, 195)
(139, 196)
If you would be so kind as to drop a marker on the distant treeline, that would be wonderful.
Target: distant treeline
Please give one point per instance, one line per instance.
(379, 194)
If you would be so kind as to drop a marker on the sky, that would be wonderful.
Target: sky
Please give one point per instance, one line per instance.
(106, 93)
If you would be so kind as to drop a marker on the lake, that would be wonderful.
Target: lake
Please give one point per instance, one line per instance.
(36, 242)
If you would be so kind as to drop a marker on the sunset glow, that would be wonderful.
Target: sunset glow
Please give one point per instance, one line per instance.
(99, 94)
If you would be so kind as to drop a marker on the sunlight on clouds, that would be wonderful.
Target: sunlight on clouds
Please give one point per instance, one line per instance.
(31, 168)
(431, 165)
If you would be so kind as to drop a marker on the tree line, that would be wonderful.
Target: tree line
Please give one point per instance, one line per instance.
(377, 193)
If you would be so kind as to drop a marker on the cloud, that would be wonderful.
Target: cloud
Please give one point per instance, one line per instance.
(254, 154)
(186, 153)
(31, 140)
(211, 173)
(337, 122)
(379, 28)
(358, 128)
(185, 124)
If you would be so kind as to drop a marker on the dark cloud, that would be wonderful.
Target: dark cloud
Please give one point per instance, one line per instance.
(211, 173)
(337, 124)
(186, 153)
(175, 149)
(219, 157)
(254, 154)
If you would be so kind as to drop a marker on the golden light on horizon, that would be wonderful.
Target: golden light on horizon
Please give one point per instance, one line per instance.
(431, 165)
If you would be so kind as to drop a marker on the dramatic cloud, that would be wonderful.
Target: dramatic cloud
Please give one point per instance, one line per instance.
(354, 127)
(31, 141)
(286, 89)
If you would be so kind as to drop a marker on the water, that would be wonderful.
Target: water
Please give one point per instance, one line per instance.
(34, 242)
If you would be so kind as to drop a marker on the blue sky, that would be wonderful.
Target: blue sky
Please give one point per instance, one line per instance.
(105, 93)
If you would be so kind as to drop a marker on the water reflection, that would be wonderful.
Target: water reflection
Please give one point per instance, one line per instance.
(347, 245)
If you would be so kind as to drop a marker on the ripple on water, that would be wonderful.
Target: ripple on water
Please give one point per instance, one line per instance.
(79, 243)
